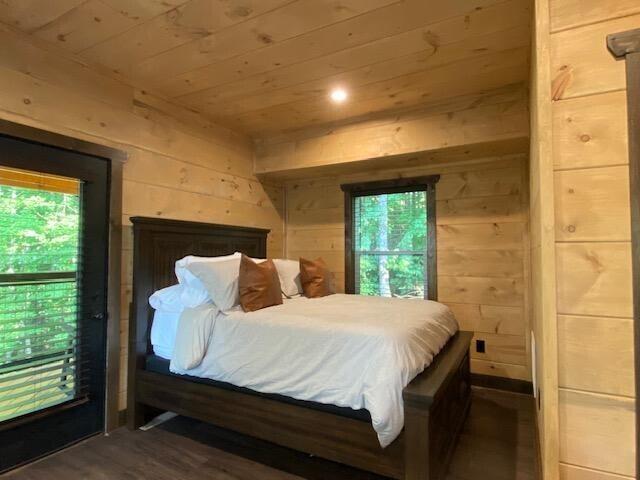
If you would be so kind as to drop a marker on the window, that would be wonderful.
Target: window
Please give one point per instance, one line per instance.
(390, 238)
(39, 235)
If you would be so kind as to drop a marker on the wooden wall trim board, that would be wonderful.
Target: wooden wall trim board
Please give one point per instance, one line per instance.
(543, 276)
(627, 45)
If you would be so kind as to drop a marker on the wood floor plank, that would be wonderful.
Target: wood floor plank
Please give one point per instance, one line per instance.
(497, 442)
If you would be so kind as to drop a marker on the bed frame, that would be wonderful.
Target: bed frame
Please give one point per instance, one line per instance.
(435, 402)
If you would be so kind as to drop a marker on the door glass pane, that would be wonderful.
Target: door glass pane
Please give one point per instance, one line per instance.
(390, 232)
(39, 244)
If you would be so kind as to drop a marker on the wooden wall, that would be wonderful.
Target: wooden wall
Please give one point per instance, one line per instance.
(593, 250)
(180, 165)
(589, 163)
(482, 233)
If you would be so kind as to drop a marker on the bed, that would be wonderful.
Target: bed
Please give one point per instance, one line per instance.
(435, 402)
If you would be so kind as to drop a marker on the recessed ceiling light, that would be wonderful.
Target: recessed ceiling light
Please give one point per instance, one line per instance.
(338, 95)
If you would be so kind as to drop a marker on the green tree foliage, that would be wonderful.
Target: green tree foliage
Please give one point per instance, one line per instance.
(391, 236)
(39, 230)
(38, 234)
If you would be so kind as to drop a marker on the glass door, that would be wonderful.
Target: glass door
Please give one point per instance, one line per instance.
(53, 256)
(39, 240)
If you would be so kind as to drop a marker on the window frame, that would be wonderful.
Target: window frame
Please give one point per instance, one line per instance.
(382, 187)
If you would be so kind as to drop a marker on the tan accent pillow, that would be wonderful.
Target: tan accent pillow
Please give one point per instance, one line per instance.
(316, 278)
(258, 284)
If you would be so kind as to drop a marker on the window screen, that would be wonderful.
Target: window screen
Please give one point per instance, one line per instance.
(39, 240)
(390, 244)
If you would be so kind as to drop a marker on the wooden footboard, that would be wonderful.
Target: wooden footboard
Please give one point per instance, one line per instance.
(436, 404)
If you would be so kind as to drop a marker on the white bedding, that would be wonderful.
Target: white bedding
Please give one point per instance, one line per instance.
(345, 350)
(163, 332)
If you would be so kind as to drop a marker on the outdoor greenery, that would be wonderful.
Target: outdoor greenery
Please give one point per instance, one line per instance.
(38, 230)
(390, 244)
(38, 324)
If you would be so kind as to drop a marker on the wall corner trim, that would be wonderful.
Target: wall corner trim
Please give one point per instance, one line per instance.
(623, 43)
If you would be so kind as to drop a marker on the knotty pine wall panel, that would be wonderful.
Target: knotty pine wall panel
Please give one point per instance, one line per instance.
(592, 230)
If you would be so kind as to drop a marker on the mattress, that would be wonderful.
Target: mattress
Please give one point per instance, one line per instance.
(157, 364)
(344, 350)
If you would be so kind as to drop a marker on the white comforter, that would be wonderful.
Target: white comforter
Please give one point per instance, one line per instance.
(345, 350)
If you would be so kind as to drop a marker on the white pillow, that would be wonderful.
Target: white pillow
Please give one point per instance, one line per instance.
(289, 273)
(176, 298)
(194, 293)
(168, 299)
(184, 275)
(220, 279)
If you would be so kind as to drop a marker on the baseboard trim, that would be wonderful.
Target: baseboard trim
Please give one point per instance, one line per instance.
(502, 383)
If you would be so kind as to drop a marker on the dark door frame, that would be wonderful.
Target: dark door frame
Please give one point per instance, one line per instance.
(116, 158)
(626, 46)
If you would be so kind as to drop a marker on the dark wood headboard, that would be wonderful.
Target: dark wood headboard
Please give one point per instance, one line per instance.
(157, 244)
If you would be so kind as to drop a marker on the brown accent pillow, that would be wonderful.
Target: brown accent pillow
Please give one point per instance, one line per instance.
(316, 278)
(259, 284)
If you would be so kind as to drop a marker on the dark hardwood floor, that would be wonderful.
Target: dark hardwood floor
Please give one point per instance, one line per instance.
(497, 443)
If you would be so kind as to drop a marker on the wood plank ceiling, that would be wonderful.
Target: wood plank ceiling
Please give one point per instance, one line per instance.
(266, 66)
